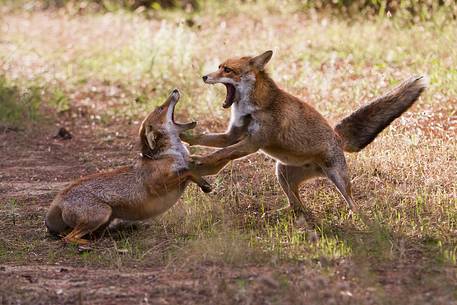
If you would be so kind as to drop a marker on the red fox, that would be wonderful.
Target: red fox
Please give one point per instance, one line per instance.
(266, 118)
(148, 188)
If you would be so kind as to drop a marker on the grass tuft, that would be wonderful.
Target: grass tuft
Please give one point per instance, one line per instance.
(18, 106)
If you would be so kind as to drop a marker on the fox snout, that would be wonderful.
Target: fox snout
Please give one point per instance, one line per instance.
(209, 79)
(175, 94)
(212, 78)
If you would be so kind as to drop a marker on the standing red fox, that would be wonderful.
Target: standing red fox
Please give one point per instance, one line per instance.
(266, 118)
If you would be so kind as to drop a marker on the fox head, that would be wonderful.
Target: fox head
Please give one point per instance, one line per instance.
(159, 127)
(238, 75)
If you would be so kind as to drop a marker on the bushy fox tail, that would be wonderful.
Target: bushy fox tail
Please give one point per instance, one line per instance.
(361, 127)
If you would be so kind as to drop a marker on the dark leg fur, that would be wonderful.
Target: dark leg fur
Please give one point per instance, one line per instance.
(337, 172)
(202, 183)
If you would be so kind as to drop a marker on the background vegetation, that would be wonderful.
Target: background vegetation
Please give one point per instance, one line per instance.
(413, 10)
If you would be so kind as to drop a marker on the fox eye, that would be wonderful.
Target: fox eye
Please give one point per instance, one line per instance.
(160, 109)
(227, 70)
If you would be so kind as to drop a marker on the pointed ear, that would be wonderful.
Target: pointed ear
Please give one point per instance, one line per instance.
(151, 139)
(147, 139)
(261, 60)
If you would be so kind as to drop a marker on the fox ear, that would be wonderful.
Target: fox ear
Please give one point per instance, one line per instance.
(148, 139)
(261, 60)
(151, 139)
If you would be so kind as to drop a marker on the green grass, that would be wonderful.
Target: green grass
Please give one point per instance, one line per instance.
(23, 104)
(17, 105)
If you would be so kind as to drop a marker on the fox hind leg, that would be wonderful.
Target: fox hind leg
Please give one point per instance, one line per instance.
(337, 172)
(85, 219)
(291, 177)
(54, 221)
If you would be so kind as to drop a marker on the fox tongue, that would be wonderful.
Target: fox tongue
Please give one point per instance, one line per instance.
(230, 98)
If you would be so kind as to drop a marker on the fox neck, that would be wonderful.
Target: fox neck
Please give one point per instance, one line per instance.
(176, 149)
(254, 93)
(258, 90)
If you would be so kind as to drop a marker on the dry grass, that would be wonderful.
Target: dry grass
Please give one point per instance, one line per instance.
(117, 66)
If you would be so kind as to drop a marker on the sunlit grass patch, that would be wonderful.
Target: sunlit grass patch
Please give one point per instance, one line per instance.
(287, 241)
(212, 230)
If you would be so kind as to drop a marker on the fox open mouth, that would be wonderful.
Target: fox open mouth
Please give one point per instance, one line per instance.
(183, 126)
(230, 98)
(173, 106)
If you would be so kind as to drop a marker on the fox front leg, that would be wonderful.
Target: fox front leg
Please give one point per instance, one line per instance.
(182, 176)
(208, 139)
(202, 183)
(213, 163)
(232, 136)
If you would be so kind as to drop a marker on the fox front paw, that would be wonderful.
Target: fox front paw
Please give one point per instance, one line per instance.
(206, 187)
(188, 137)
(196, 160)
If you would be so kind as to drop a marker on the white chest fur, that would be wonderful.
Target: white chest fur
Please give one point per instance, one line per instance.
(243, 107)
(179, 153)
